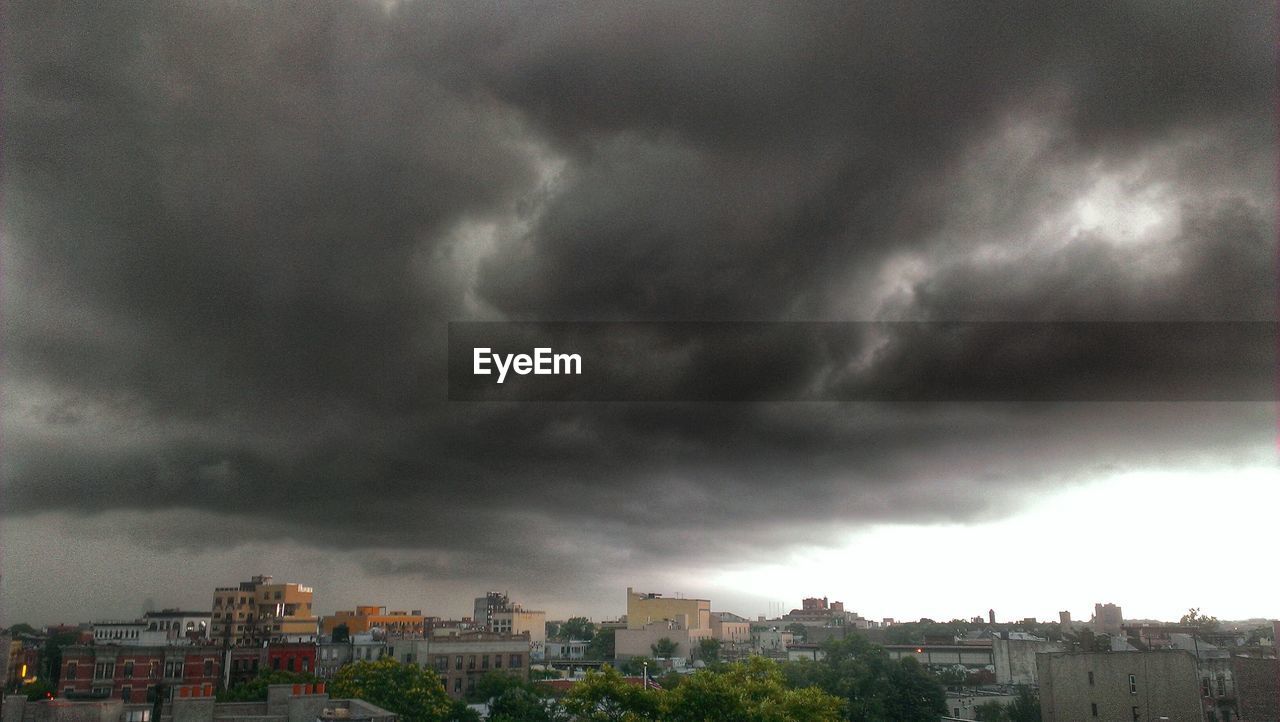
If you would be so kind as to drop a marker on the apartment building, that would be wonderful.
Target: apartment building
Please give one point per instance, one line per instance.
(261, 610)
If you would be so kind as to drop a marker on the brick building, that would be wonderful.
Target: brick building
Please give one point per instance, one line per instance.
(461, 659)
(131, 673)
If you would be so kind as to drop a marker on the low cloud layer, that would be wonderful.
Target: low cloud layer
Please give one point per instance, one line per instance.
(235, 234)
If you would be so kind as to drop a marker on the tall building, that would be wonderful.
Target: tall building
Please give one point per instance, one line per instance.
(1064, 621)
(1107, 619)
(261, 610)
(1076, 686)
(495, 613)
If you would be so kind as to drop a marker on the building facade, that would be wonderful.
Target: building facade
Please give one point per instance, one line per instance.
(1082, 686)
(133, 673)
(461, 659)
(368, 618)
(261, 610)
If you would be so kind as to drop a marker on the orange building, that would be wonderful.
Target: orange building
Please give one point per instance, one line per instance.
(367, 617)
(261, 610)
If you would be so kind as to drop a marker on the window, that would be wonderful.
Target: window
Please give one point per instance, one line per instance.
(275, 663)
(484, 662)
(516, 661)
(1137, 714)
(1093, 707)
(442, 664)
(289, 665)
(1222, 685)
(137, 715)
(208, 668)
(457, 662)
(497, 661)
(126, 694)
(457, 684)
(1091, 679)
(1133, 684)
(104, 670)
(68, 691)
(128, 669)
(471, 662)
(71, 671)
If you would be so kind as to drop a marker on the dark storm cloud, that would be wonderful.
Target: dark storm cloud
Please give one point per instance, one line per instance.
(235, 232)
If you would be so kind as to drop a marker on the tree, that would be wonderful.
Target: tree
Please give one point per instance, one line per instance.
(664, 648)
(605, 696)
(990, 712)
(751, 691)
(798, 631)
(493, 685)
(414, 693)
(873, 686)
(255, 690)
(638, 665)
(39, 689)
(602, 645)
(709, 650)
(1193, 618)
(1025, 707)
(22, 628)
(523, 704)
(577, 628)
(341, 633)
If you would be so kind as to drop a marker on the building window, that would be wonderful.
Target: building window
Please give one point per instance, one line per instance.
(497, 661)
(484, 662)
(126, 694)
(457, 684)
(290, 664)
(1137, 715)
(1093, 707)
(442, 664)
(1222, 686)
(128, 669)
(1091, 679)
(104, 670)
(516, 661)
(208, 668)
(457, 662)
(1133, 684)
(471, 662)
(71, 671)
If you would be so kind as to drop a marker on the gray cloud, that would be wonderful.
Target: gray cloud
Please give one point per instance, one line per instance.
(234, 235)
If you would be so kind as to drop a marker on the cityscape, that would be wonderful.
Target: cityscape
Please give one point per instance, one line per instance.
(661, 361)
(264, 648)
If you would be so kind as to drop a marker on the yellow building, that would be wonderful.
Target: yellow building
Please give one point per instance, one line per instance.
(646, 608)
(260, 610)
(368, 617)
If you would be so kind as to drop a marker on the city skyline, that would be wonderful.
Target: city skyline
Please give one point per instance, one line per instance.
(235, 237)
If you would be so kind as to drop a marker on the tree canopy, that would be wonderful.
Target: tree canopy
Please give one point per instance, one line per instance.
(873, 686)
(414, 693)
(255, 690)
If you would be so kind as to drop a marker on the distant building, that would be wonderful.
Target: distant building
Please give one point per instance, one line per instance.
(1107, 619)
(368, 618)
(816, 611)
(1109, 686)
(1015, 659)
(331, 656)
(572, 649)
(645, 608)
(461, 659)
(131, 634)
(729, 628)
(179, 626)
(494, 612)
(640, 642)
(1064, 621)
(971, 656)
(260, 610)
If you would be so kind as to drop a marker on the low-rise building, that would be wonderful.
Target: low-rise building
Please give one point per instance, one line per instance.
(133, 673)
(369, 618)
(1153, 685)
(572, 649)
(178, 626)
(461, 659)
(1258, 687)
(195, 703)
(640, 642)
(1015, 659)
(969, 656)
(331, 656)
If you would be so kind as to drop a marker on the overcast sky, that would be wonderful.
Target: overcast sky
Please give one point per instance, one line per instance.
(234, 234)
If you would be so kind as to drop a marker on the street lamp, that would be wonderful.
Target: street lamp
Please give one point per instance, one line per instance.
(645, 677)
